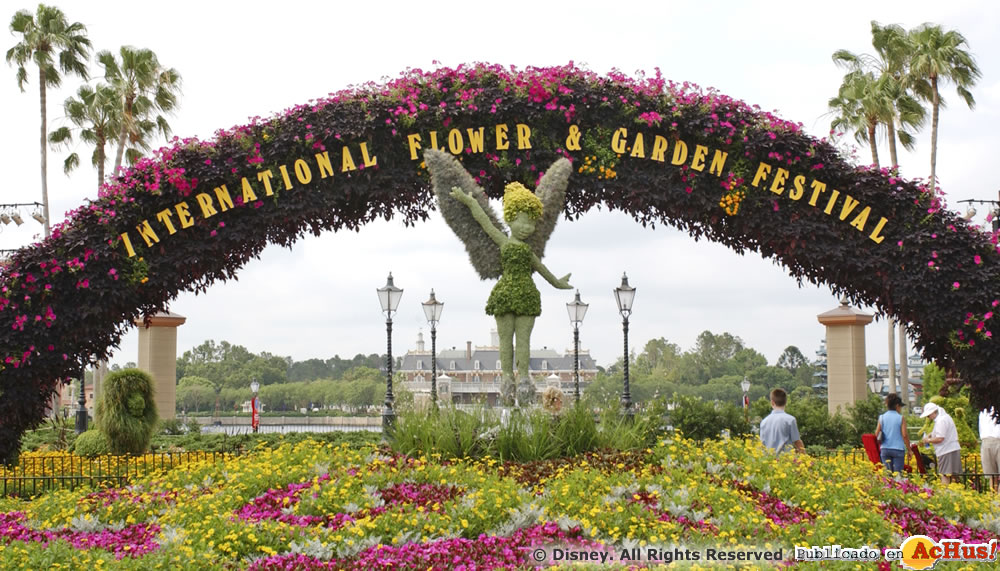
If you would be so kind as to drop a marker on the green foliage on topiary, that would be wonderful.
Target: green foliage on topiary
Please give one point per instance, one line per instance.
(126, 412)
(516, 199)
(515, 292)
(91, 443)
(933, 381)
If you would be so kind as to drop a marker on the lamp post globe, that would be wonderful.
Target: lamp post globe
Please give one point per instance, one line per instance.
(388, 296)
(432, 311)
(624, 296)
(875, 383)
(577, 310)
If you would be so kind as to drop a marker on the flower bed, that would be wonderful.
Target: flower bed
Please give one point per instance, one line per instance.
(313, 506)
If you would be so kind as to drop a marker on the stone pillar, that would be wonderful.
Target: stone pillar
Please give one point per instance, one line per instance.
(100, 372)
(158, 357)
(847, 374)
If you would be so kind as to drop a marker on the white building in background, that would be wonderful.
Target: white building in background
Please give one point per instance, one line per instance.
(820, 376)
(915, 366)
(475, 374)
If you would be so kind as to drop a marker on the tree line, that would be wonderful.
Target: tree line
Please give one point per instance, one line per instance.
(219, 374)
(711, 370)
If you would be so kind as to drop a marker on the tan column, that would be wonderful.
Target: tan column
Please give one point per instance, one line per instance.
(846, 373)
(158, 357)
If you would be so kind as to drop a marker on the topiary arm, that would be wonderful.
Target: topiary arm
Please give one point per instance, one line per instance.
(447, 174)
(479, 215)
(552, 192)
(560, 283)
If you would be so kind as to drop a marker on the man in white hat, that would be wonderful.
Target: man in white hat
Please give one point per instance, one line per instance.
(944, 437)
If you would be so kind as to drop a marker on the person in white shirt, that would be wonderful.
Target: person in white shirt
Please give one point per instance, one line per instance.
(989, 433)
(944, 437)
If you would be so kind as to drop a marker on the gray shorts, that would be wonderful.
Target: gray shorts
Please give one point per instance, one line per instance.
(950, 464)
(991, 456)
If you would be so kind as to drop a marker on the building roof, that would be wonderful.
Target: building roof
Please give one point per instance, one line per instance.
(488, 358)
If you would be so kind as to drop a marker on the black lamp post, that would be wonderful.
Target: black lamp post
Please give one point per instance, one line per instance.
(577, 310)
(254, 387)
(432, 310)
(389, 296)
(81, 411)
(624, 295)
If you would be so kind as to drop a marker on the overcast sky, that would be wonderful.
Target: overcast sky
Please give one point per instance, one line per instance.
(242, 59)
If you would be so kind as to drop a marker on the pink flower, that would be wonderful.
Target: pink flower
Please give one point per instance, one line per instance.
(977, 259)
(955, 285)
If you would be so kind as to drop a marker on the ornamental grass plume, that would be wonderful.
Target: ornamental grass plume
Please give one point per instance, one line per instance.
(552, 400)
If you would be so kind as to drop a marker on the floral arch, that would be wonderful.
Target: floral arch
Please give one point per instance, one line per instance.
(663, 152)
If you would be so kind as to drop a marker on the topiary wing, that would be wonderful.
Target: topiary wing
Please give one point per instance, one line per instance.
(447, 173)
(552, 192)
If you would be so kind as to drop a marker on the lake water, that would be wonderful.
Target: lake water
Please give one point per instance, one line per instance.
(283, 428)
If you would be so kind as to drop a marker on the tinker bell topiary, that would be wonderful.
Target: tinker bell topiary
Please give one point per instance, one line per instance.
(515, 301)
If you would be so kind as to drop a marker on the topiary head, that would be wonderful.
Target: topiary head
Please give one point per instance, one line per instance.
(517, 199)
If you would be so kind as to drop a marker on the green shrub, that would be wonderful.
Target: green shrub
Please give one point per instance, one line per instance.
(703, 420)
(863, 417)
(172, 427)
(817, 426)
(91, 443)
(54, 434)
(126, 412)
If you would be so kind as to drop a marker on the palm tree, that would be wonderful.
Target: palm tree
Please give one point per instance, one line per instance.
(45, 37)
(939, 56)
(145, 90)
(863, 103)
(893, 50)
(96, 113)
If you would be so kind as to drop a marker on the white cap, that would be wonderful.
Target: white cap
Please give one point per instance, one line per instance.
(929, 409)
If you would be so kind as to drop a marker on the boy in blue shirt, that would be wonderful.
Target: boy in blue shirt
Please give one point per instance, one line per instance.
(780, 429)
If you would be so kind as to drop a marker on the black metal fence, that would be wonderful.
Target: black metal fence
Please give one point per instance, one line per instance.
(34, 475)
(971, 476)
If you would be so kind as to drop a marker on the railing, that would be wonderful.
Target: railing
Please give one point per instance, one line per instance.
(970, 460)
(971, 476)
(34, 475)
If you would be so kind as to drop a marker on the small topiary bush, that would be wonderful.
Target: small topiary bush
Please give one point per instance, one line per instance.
(91, 443)
(126, 412)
